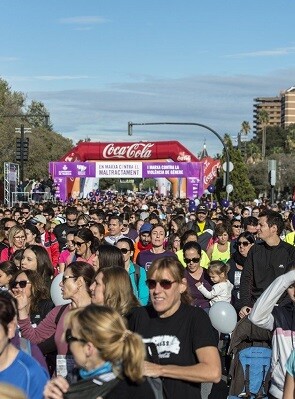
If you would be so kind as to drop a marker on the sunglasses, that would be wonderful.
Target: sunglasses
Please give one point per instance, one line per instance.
(124, 250)
(80, 226)
(71, 220)
(229, 213)
(79, 244)
(237, 226)
(125, 224)
(194, 260)
(69, 337)
(21, 283)
(244, 243)
(65, 278)
(166, 284)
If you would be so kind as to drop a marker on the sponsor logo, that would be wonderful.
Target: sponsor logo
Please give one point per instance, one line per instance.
(166, 344)
(132, 151)
(183, 157)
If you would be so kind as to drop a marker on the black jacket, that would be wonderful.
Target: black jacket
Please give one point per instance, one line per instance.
(263, 265)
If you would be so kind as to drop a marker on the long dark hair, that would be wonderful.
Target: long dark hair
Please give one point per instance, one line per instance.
(39, 289)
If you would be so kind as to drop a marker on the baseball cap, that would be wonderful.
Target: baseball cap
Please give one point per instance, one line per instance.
(145, 228)
(38, 219)
(202, 209)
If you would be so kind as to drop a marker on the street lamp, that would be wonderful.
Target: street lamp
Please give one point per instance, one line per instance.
(227, 181)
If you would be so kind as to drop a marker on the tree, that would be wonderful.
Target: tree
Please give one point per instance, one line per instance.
(45, 145)
(38, 115)
(263, 118)
(243, 189)
(245, 129)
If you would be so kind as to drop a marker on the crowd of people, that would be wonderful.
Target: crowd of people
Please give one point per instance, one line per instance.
(140, 275)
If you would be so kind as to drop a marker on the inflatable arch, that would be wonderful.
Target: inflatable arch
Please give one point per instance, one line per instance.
(145, 152)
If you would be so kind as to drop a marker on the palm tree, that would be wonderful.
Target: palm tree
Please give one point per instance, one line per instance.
(263, 118)
(245, 129)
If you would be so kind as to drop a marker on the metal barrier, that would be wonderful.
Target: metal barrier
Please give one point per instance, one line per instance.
(25, 196)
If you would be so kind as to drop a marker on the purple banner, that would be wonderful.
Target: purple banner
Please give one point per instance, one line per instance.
(72, 169)
(172, 169)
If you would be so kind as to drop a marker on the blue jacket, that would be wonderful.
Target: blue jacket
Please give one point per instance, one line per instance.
(141, 291)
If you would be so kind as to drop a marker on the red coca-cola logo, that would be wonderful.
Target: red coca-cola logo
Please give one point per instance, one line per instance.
(183, 157)
(132, 151)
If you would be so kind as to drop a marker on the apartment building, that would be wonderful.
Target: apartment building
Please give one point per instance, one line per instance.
(280, 109)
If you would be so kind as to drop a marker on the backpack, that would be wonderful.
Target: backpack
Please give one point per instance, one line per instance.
(255, 364)
(250, 366)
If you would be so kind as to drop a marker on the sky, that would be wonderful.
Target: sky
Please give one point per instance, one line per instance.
(98, 64)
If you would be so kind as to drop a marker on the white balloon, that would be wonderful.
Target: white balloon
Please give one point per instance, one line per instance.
(223, 317)
(197, 201)
(229, 188)
(55, 291)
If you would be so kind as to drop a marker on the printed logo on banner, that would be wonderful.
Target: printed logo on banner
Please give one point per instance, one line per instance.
(81, 170)
(133, 151)
(65, 171)
(183, 157)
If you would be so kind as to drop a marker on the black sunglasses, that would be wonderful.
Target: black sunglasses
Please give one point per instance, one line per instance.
(124, 250)
(166, 284)
(80, 226)
(237, 226)
(65, 278)
(69, 338)
(21, 283)
(79, 244)
(194, 260)
(244, 243)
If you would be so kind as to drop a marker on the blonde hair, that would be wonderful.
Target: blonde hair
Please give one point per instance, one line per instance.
(218, 267)
(118, 292)
(13, 231)
(105, 328)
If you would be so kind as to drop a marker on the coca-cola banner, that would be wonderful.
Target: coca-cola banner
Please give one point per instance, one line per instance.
(135, 151)
(211, 167)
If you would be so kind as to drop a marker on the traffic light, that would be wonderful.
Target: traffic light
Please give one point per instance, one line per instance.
(18, 149)
(26, 149)
(22, 149)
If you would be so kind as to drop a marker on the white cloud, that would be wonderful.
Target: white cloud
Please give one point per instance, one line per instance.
(83, 20)
(60, 77)
(265, 53)
(8, 59)
(222, 103)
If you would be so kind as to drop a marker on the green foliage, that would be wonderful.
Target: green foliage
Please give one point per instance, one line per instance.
(148, 184)
(108, 184)
(45, 145)
(243, 189)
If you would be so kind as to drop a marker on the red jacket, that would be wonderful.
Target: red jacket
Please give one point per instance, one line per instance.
(52, 247)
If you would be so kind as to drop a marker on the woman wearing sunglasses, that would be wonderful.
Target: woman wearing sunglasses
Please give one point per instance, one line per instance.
(243, 244)
(86, 246)
(195, 273)
(186, 347)
(75, 286)
(136, 273)
(103, 349)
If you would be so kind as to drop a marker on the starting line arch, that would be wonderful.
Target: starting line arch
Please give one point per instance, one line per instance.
(170, 160)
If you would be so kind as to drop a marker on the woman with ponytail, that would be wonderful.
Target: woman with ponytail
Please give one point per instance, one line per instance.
(106, 351)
